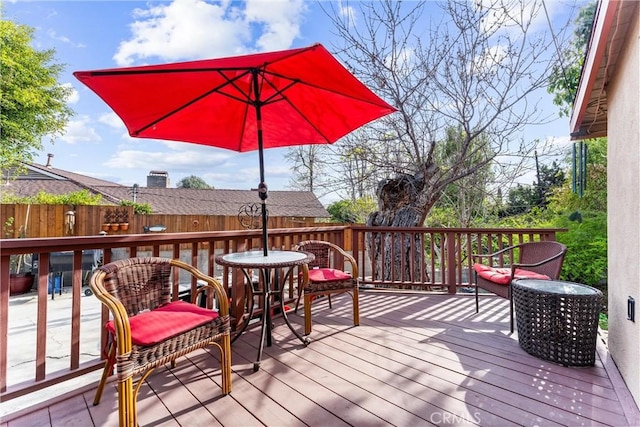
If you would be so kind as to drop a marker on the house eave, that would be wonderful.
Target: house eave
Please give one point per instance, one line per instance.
(589, 114)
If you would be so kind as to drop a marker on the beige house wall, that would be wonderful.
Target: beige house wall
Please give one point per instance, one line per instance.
(623, 186)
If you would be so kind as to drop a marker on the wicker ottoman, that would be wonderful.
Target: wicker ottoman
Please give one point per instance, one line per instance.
(557, 321)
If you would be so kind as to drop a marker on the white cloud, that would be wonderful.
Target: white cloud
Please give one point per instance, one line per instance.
(508, 15)
(51, 33)
(111, 120)
(187, 159)
(74, 96)
(489, 60)
(281, 19)
(349, 13)
(183, 29)
(64, 39)
(559, 141)
(403, 61)
(195, 29)
(80, 130)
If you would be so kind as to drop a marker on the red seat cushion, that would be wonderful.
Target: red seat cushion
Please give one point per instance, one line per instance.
(152, 327)
(328, 275)
(502, 276)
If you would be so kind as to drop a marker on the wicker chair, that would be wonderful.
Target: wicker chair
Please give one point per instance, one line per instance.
(326, 276)
(537, 260)
(151, 328)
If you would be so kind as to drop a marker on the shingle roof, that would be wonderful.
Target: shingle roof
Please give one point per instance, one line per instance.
(31, 187)
(171, 201)
(55, 173)
(183, 201)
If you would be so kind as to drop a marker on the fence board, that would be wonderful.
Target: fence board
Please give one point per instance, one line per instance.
(50, 221)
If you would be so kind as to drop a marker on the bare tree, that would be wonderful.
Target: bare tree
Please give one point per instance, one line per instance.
(308, 167)
(353, 165)
(476, 69)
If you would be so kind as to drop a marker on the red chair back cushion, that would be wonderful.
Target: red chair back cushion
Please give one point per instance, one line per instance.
(502, 276)
(166, 321)
(328, 275)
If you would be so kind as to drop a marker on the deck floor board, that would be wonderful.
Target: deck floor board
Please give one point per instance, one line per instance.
(415, 359)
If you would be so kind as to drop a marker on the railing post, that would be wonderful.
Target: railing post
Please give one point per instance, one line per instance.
(451, 261)
(4, 319)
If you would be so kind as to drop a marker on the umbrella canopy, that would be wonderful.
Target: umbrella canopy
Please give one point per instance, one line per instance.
(251, 102)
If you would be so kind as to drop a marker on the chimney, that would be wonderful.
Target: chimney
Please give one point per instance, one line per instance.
(49, 159)
(158, 179)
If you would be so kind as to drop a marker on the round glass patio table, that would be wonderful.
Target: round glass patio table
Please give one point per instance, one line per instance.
(268, 286)
(557, 320)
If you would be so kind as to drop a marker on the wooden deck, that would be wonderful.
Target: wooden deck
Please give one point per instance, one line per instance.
(416, 359)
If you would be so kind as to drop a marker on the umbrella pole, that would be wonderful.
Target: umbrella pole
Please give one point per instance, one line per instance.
(262, 187)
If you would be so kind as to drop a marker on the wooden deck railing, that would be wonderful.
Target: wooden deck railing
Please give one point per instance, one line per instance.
(434, 259)
(431, 258)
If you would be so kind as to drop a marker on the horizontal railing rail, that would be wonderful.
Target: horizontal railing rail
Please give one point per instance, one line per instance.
(415, 258)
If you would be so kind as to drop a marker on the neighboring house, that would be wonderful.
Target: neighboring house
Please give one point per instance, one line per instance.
(51, 180)
(163, 200)
(608, 104)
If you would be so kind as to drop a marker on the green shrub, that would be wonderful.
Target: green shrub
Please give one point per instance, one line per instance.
(138, 208)
(352, 211)
(78, 198)
(586, 240)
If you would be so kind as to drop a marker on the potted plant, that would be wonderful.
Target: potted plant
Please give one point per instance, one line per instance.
(124, 220)
(20, 274)
(21, 277)
(110, 221)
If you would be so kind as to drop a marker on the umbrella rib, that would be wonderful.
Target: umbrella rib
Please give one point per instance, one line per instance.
(278, 92)
(283, 97)
(269, 100)
(302, 82)
(193, 101)
(232, 82)
(255, 102)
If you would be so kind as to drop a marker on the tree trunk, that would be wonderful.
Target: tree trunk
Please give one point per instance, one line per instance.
(402, 202)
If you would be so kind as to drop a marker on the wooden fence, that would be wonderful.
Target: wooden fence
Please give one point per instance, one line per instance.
(52, 221)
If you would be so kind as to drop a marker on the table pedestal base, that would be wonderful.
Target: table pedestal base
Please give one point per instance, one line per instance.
(266, 316)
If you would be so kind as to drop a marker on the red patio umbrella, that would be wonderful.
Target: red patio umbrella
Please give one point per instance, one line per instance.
(243, 103)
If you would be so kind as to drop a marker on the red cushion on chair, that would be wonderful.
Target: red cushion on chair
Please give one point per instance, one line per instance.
(502, 276)
(328, 275)
(481, 267)
(152, 327)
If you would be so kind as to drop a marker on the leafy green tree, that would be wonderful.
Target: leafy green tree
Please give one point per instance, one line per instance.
(352, 211)
(33, 103)
(564, 80)
(523, 198)
(193, 181)
(462, 201)
(595, 195)
(341, 212)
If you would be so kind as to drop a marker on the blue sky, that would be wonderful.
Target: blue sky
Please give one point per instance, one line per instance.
(103, 34)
